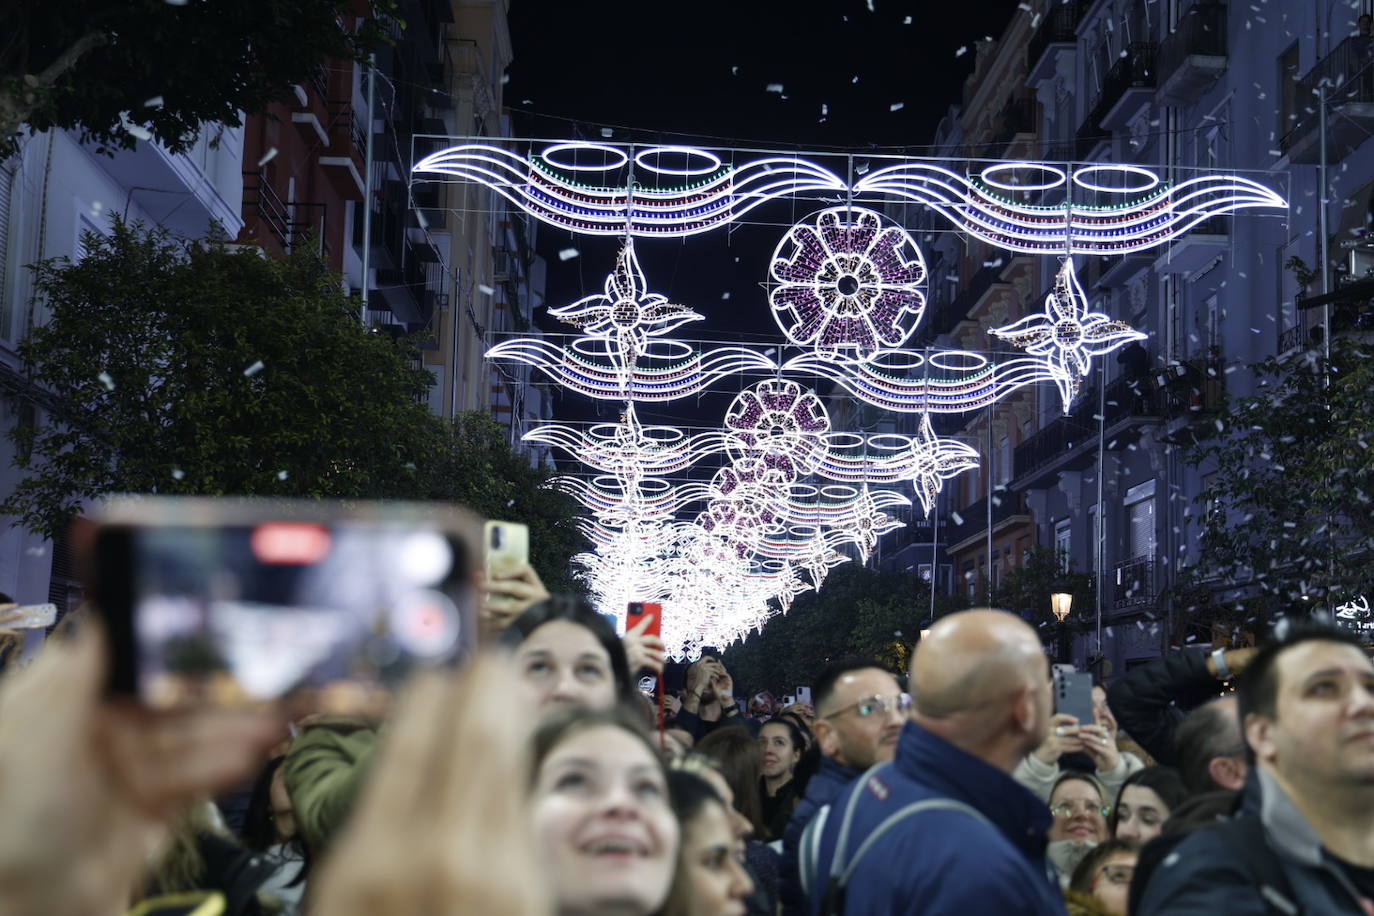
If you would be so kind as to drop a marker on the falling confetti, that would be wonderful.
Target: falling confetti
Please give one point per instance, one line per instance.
(567, 254)
(906, 21)
(774, 87)
(963, 49)
(178, 473)
(267, 157)
(254, 369)
(896, 106)
(606, 132)
(281, 475)
(485, 290)
(105, 380)
(154, 102)
(725, 295)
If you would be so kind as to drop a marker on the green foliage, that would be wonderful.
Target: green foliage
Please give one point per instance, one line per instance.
(859, 612)
(476, 467)
(1026, 591)
(81, 63)
(1287, 512)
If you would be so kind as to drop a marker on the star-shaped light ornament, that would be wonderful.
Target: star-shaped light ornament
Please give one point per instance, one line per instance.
(625, 314)
(1068, 333)
(935, 460)
(870, 523)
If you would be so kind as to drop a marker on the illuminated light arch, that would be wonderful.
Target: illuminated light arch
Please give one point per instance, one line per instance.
(846, 283)
(630, 446)
(1135, 223)
(547, 193)
(1068, 333)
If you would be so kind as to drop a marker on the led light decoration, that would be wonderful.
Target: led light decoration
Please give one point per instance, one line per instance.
(1068, 332)
(846, 284)
(625, 314)
(541, 185)
(789, 494)
(935, 460)
(781, 424)
(1141, 214)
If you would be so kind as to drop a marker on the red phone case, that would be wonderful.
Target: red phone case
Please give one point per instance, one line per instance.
(634, 616)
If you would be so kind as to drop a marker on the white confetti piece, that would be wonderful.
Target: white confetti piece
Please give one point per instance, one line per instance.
(906, 21)
(105, 380)
(281, 475)
(870, 6)
(154, 102)
(485, 290)
(567, 254)
(825, 109)
(956, 518)
(963, 49)
(505, 78)
(774, 87)
(178, 473)
(606, 132)
(267, 157)
(175, 2)
(254, 369)
(896, 106)
(527, 101)
(734, 71)
(96, 207)
(854, 80)
(725, 295)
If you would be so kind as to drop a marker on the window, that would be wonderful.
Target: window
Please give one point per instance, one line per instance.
(1288, 90)
(1004, 461)
(1140, 521)
(1063, 542)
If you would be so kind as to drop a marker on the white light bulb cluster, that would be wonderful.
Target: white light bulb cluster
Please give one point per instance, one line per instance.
(789, 495)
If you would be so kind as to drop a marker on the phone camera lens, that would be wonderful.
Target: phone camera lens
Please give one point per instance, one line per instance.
(496, 538)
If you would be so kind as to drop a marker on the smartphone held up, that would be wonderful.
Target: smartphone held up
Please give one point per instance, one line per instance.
(239, 602)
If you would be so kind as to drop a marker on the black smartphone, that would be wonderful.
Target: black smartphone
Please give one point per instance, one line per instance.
(235, 602)
(1073, 694)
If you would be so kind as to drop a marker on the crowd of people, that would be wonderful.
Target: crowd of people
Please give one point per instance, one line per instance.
(542, 779)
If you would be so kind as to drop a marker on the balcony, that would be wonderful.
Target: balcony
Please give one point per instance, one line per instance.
(347, 144)
(1070, 442)
(1129, 85)
(1194, 56)
(1007, 507)
(270, 219)
(1347, 74)
(1017, 121)
(1199, 245)
(1057, 36)
(1135, 583)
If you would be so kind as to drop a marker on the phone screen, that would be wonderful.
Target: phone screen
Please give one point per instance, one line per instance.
(327, 613)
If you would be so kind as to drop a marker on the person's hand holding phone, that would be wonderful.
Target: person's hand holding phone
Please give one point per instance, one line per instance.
(643, 650)
(1100, 745)
(88, 787)
(507, 596)
(1062, 739)
(457, 841)
(723, 684)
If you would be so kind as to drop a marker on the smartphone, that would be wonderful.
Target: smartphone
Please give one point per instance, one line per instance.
(28, 616)
(804, 695)
(635, 613)
(788, 701)
(506, 548)
(1073, 694)
(325, 606)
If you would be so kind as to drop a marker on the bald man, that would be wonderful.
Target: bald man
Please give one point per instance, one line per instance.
(980, 684)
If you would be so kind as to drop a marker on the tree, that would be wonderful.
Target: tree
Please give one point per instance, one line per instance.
(859, 612)
(475, 467)
(98, 65)
(1285, 518)
(1026, 591)
(208, 368)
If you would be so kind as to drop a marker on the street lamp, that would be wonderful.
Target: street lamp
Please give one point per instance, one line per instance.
(1060, 603)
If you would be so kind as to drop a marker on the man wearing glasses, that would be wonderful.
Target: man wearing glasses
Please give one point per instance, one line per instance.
(860, 712)
(944, 828)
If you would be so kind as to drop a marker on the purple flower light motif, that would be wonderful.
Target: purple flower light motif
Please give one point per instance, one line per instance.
(747, 500)
(935, 460)
(781, 423)
(1068, 333)
(625, 314)
(846, 284)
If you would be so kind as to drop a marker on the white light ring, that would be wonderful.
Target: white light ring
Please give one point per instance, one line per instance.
(803, 532)
(578, 145)
(947, 360)
(839, 492)
(687, 151)
(667, 351)
(889, 442)
(800, 491)
(999, 167)
(897, 360)
(1132, 169)
(844, 440)
(663, 435)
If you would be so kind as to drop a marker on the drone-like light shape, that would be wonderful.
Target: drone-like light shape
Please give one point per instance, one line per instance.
(1068, 332)
(846, 284)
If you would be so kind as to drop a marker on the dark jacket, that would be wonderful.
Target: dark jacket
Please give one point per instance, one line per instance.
(825, 786)
(777, 809)
(941, 862)
(1206, 874)
(1150, 700)
(699, 728)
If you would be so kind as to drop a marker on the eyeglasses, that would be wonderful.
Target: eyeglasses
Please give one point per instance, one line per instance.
(1069, 809)
(1117, 874)
(877, 705)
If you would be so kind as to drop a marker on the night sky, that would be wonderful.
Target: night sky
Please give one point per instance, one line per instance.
(700, 73)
